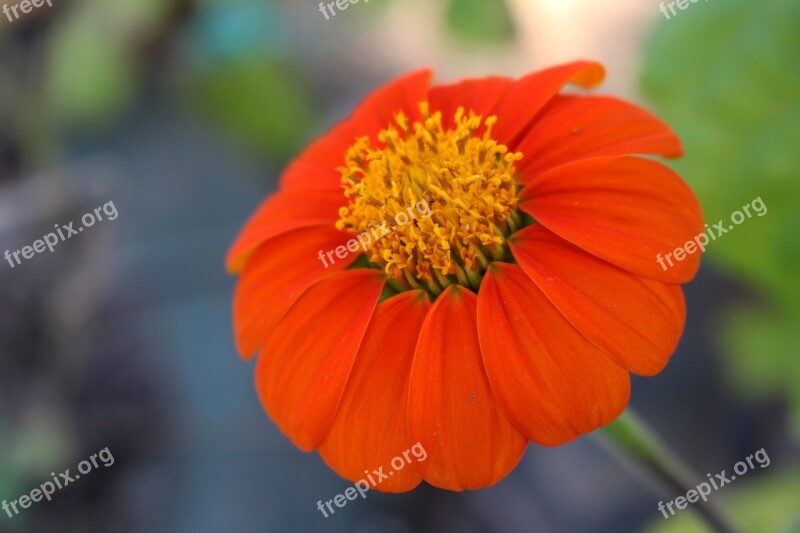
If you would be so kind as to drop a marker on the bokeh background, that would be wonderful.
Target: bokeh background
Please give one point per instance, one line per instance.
(184, 112)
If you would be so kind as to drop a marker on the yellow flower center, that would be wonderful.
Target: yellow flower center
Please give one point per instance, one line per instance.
(436, 205)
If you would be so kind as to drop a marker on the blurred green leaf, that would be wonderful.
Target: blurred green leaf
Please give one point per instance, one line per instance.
(260, 104)
(763, 346)
(90, 81)
(480, 21)
(39, 441)
(726, 75)
(765, 505)
(92, 67)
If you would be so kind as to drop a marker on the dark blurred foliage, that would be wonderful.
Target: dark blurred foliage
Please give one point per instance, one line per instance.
(71, 383)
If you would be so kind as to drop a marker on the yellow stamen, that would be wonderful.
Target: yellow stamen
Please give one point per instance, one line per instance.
(447, 196)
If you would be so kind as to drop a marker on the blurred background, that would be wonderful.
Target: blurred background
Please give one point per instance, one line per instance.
(183, 113)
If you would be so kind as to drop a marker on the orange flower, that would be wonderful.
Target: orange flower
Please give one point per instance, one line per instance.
(512, 313)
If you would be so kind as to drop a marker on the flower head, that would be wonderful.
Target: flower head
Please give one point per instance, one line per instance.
(466, 180)
(512, 310)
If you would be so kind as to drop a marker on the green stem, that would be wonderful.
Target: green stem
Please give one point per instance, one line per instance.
(631, 435)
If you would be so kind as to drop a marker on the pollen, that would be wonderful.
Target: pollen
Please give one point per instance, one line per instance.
(435, 205)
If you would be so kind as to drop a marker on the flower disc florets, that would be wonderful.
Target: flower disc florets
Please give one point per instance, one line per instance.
(444, 199)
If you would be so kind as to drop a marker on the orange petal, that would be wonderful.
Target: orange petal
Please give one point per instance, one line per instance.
(376, 397)
(303, 175)
(276, 275)
(328, 151)
(635, 320)
(316, 167)
(378, 110)
(282, 212)
(451, 410)
(627, 210)
(302, 371)
(527, 96)
(478, 95)
(580, 127)
(553, 383)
